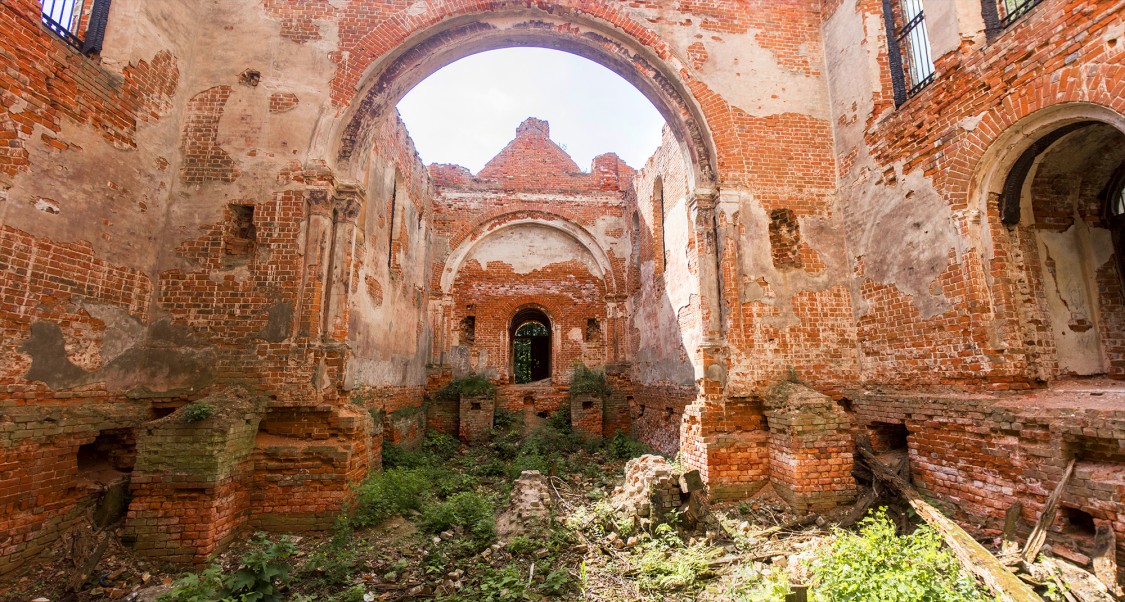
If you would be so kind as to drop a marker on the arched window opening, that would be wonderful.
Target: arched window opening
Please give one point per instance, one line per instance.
(531, 346)
(1115, 217)
(453, 118)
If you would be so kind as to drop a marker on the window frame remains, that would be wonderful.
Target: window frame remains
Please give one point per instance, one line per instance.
(1001, 14)
(79, 23)
(909, 51)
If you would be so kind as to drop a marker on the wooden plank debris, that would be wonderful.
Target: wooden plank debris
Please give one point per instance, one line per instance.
(973, 556)
(1105, 559)
(1039, 533)
(1009, 546)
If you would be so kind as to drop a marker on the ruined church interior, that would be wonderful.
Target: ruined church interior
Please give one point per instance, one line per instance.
(878, 256)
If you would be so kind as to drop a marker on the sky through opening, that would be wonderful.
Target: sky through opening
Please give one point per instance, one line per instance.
(468, 111)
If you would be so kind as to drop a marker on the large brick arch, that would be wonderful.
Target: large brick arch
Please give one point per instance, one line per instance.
(1016, 120)
(510, 220)
(406, 48)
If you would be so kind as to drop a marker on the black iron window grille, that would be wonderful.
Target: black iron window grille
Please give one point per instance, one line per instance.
(912, 66)
(81, 23)
(999, 14)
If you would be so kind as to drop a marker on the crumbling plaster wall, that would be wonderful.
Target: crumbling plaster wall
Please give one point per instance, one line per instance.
(388, 327)
(945, 294)
(665, 322)
(530, 265)
(937, 279)
(85, 173)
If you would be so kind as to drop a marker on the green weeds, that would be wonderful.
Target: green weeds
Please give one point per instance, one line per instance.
(262, 576)
(877, 564)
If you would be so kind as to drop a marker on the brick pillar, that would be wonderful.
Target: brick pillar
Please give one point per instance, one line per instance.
(317, 260)
(810, 448)
(476, 418)
(191, 482)
(307, 461)
(726, 440)
(586, 416)
(346, 206)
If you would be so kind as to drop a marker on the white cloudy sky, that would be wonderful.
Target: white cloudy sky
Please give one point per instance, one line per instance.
(466, 112)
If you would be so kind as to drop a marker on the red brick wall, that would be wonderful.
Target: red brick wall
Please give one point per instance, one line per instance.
(496, 213)
(978, 454)
(934, 148)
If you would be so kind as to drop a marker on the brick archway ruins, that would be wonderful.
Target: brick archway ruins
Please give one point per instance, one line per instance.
(407, 47)
(223, 206)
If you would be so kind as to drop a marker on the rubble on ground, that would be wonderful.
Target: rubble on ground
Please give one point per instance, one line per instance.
(654, 491)
(529, 510)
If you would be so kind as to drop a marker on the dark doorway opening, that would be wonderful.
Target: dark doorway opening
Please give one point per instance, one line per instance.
(531, 346)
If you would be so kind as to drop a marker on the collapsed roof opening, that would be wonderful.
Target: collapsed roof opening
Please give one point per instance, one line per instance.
(465, 112)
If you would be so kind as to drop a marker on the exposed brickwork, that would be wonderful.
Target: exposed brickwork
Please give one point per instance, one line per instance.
(154, 83)
(46, 82)
(979, 93)
(283, 101)
(204, 160)
(300, 19)
(981, 453)
(802, 224)
(476, 415)
(190, 483)
(810, 442)
(586, 416)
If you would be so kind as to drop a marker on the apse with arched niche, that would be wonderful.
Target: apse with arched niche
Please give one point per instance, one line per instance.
(1062, 201)
(526, 263)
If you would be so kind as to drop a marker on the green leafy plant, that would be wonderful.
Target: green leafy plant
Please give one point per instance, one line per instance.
(262, 575)
(207, 586)
(624, 447)
(436, 449)
(557, 582)
(440, 445)
(384, 495)
(503, 419)
(467, 510)
(589, 382)
(877, 564)
(667, 563)
(473, 385)
(197, 411)
(504, 585)
(263, 572)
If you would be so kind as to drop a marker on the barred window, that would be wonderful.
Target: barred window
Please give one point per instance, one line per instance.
(912, 67)
(999, 14)
(80, 23)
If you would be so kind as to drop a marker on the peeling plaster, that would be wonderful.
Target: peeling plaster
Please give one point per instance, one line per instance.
(753, 81)
(902, 228)
(1070, 289)
(529, 247)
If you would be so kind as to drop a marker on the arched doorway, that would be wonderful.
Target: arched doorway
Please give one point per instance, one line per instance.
(1062, 203)
(530, 333)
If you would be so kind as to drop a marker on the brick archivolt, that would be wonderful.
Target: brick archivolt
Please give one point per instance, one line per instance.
(503, 222)
(400, 51)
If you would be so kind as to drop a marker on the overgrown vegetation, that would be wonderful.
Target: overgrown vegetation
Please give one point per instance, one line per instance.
(473, 385)
(425, 528)
(589, 382)
(877, 564)
(261, 576)
(197, 411)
